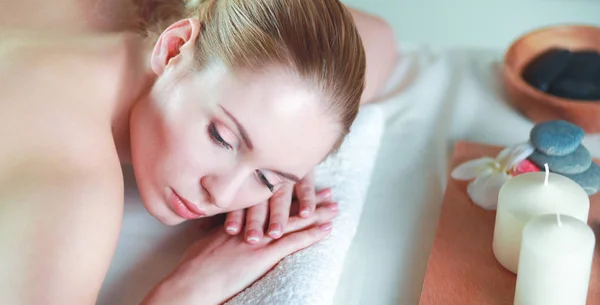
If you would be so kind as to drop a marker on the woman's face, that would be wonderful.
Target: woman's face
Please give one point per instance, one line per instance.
(217, 140)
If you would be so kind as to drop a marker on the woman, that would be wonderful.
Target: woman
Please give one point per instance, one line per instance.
(232, 105)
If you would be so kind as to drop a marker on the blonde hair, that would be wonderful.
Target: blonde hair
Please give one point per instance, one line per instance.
(316, 38)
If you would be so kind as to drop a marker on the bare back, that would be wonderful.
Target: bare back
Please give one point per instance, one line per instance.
(61, 189)
(67, 15)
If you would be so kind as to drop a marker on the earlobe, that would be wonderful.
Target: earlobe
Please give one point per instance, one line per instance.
(177, 41)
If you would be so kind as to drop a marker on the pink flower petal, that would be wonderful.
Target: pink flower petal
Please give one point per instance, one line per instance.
(524, 166)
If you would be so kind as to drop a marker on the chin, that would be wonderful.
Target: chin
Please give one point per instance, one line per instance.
(154, 201)
(158, 209)
(168, 220)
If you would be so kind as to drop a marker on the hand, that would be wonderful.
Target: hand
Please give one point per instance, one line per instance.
(277, 210)
(221, 265)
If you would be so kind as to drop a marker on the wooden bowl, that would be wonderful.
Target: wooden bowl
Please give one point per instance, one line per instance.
(540, 106)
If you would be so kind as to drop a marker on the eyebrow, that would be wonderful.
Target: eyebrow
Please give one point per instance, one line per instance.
(248, 143)
(240, 128)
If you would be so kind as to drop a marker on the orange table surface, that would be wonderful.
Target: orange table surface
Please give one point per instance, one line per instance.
(462, 268)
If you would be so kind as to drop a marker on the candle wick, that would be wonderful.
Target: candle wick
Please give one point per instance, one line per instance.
(547, 170)
(547, 174)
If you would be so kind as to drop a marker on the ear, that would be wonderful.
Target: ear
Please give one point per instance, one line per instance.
(180, 36)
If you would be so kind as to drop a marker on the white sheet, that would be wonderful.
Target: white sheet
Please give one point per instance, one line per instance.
(441, 97)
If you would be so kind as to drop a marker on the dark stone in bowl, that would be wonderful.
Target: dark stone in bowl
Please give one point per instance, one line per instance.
(568, 74)
(582, 65)
(545, 68)
(584, 90)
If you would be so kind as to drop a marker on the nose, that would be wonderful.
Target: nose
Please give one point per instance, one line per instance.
(222, 189)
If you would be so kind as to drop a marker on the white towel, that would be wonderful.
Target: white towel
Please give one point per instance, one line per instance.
(310, 277)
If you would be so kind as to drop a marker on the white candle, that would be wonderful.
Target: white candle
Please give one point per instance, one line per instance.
(555, 262)
(527, 196)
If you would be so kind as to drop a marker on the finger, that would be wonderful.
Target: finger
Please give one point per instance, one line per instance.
(324, 213)
(293, 242)
(323, 195)
(295, 206)
(280, 211)
(255, 222)
(305, 190)
(234, 221)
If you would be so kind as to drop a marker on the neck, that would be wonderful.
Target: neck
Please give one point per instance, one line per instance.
(136, 90)
(120, 130)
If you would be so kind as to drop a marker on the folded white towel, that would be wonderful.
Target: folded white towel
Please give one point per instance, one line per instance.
(310, 277)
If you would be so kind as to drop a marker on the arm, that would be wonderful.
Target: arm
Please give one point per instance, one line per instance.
(380, 48)
(219, 266)
(58, 234)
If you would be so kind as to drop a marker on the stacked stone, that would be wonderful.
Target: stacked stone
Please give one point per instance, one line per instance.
(558, 143)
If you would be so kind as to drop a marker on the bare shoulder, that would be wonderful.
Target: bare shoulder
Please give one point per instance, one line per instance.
(64, 91)
(380, 48)
(61, 221)
(110, 58)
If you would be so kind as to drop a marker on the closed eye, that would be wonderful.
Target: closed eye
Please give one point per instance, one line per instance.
(265, 181)
(216, 137)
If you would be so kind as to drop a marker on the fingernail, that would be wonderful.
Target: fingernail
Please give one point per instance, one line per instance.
(252, 236)
(326, 226)
(325, 194)
(231, 227)
(335, 207)
(304, 212)
(275, 230)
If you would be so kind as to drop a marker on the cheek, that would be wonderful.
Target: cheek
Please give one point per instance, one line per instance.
(189, 154)
(146, 136)
(193, 148)
(165, 145)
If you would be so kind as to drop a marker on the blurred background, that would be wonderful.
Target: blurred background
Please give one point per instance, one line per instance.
(475, 23)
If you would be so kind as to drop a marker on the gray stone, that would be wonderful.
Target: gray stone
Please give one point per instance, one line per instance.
(556, 138)
(588, 180)
(574, 163)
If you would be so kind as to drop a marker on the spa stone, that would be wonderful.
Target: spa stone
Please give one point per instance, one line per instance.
(583, 90)
(588, 180)
(545, 68)
(579, 80)
(565, 73)
(556, 138)
(574, 163)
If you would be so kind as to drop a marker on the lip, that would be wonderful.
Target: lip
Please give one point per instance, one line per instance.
(183, 207)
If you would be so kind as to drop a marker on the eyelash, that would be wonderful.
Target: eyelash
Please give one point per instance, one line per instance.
(264, 180)
(217, 139)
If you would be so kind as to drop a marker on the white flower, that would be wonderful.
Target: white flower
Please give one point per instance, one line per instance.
(490, 174)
